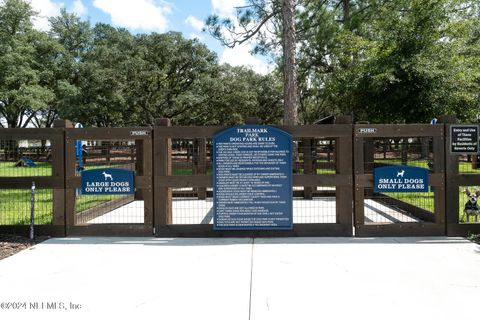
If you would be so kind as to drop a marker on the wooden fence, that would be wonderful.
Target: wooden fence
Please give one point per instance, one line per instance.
(332, 180)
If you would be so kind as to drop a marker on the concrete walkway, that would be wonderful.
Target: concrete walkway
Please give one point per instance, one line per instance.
(261, 279)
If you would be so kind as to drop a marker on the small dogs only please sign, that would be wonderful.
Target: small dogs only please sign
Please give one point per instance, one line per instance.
(400, 179)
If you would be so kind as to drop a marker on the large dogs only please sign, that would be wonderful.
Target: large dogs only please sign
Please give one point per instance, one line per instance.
(252, 178)
(400, 179)
(108, 181)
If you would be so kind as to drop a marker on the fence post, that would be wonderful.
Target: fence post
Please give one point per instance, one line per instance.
(139, 165)
(451, 171)
(202, 166)
(252, 120)
(439, 168)
(58, 171)
(358, 171)
(162, 153)
(343, 166)
(307, 165)
(146, 159)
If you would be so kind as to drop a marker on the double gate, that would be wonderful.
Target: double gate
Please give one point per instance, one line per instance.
(332, 181)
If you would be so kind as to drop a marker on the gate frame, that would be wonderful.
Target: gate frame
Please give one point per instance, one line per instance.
(142, 182)
(454, 180)
(164, 181)
(436, 179)
(55, 182)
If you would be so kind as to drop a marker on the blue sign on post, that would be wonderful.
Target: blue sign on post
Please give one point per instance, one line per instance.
(108, 181)
(400, 179)
(252, 186)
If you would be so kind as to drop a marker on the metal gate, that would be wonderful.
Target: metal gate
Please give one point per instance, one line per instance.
(127, 148)
(399, 214)
(30, 157)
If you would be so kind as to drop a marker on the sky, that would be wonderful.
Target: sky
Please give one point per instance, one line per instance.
(145, 16)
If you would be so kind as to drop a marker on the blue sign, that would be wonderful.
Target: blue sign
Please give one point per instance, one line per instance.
(252, 179)
(400, 179)
(108, 181)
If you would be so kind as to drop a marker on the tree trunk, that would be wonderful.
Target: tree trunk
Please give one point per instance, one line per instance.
(346, 10)
(290, 95)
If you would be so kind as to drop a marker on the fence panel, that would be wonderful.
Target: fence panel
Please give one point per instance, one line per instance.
(333, 167)
(26, 156)
(104, 214)
(398, 213)
(322, 181)
(462, 179)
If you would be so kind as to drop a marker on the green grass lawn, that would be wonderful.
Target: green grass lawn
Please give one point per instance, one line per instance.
(15, 206)
(8, 169)
(85, 202)
(425, 200)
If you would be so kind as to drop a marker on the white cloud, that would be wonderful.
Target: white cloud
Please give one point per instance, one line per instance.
(79, 8)
(241, 56)
(226, 8)
(146, 15)
(195, 23)
(46, 9)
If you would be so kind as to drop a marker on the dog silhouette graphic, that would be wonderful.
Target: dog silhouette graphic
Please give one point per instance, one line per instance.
(107, 176)
(400, 174)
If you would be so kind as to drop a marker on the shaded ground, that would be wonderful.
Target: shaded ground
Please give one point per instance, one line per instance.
(10, 244)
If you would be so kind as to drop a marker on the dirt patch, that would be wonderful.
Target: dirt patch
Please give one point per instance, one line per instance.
(10, 244)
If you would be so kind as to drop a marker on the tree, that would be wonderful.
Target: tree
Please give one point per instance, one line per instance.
(102, 79)
(168, 67)
(389, 61)
(290, 66)
(227, 95)
(260, 20)
(22, 65)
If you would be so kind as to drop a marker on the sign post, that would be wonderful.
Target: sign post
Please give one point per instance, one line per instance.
(252, 187)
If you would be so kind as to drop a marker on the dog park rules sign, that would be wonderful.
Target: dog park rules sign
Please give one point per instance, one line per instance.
(252, 186)
(108, 181)
(400, 179)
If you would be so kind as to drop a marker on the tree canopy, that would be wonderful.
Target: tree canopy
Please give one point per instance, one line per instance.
(105, 76)
(378, 60)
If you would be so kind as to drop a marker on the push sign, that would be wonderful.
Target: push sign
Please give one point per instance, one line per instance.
(108, 181)
(400, 179)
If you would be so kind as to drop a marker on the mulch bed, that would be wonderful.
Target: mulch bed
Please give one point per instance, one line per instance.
(11, 244)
